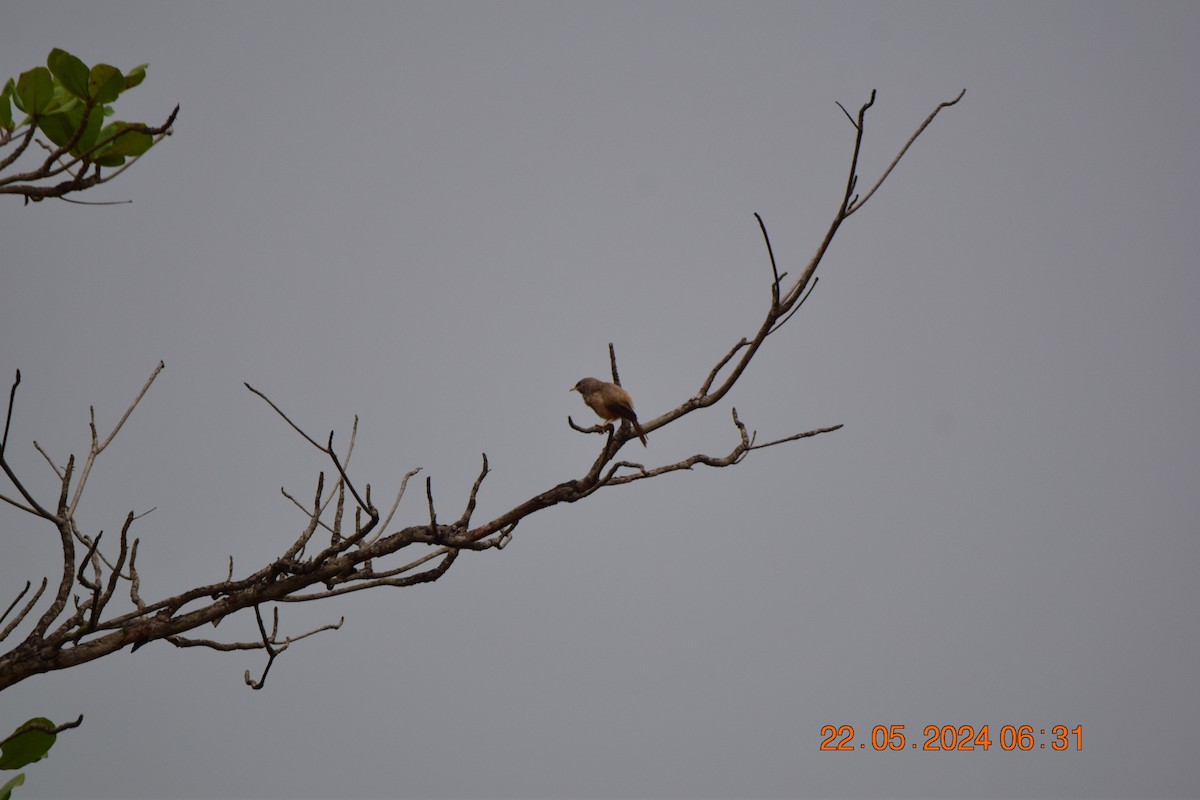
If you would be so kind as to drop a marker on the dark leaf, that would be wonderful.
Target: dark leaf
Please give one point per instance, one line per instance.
(35, 90)
(71, 72)
(105, 84)
(135, 76)
(129, 143)
(27, 745)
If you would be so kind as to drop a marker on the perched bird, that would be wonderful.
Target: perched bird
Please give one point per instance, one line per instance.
(610, 402)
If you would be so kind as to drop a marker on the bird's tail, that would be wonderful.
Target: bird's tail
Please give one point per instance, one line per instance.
(638, 429)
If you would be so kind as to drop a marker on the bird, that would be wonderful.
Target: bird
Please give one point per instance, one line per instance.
(610, 402)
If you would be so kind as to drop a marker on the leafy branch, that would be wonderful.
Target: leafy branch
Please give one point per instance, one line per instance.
(68, 102)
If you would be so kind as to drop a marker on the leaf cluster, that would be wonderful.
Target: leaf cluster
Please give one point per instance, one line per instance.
(69, 103)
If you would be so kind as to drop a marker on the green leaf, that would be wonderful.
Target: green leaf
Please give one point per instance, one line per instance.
(131, 143)
(6, 789)
(27, 745)
(63, 101)
(6, 117)
(91, 134)
(59, 128)
(11, 88)
(105, 84)
(135, 76)
(35, 89)
(71, 72)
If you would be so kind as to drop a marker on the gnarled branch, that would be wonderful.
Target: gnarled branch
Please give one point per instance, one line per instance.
(357, 559)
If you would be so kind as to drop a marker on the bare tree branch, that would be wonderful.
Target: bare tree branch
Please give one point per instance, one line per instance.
(33, 507)
(97, 448)
(24, 611)
(856, 206)
(361, 555)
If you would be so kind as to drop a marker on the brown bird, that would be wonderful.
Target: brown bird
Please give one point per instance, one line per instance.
(610, 402)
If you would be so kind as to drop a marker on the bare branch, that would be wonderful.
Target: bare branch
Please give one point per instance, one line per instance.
(327, 449)
(135, 581)
(114, 572)
(272, 652)
(396, 504)
(447, 554)
(712, 375)
(269, 642)
(314, 518)
(24, 611)
(465, 520)
(612, 361)
(433, 526)
(230, 647)
(17, 599)
(855, 206)
(285, 417)
(92, 544)
(49, 460)
(65, 488)
(363, 558)
(20, 505)
(796, 307)
(12, 396)
(847, 113)
(771, 255)
(735, 456)
(33, 506)
(15, 154)
(97, 449)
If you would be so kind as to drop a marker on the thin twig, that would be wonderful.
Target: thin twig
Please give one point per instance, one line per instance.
(847, 113)
(17, 599)
(98, 449)
(49, 460)
(24, 611)
(268, 646)
(465, 520)
(771, 255)
(34, 507)
(855, 206)
(396, 504)
(12, 398)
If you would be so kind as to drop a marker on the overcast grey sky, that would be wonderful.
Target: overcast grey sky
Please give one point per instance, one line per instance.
(437, 215)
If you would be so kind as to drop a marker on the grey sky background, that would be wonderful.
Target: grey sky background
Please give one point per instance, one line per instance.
(436, 216)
